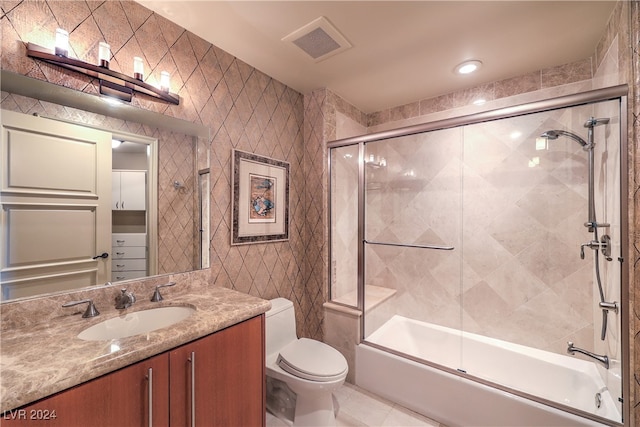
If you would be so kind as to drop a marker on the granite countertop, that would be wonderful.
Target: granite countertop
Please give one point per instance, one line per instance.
(44, 358)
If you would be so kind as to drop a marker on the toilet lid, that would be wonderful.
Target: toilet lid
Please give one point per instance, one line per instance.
(312, 360)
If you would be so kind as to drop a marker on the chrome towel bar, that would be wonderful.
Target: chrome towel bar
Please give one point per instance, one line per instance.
(402, 245)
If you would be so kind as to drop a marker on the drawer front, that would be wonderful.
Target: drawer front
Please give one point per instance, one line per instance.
(127, 275)
(123, 252)
(129, 264)
(128, 239)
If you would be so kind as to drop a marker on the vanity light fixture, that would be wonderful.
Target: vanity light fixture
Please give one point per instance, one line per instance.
(113, 84)
(375, 162)
(468, 67)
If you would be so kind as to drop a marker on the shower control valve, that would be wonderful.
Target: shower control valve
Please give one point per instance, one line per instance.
(593, 244)
(603, 245)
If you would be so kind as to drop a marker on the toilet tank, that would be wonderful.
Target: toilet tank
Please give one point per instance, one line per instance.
(280, 325)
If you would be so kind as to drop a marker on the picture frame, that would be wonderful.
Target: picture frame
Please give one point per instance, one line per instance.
(259, 199)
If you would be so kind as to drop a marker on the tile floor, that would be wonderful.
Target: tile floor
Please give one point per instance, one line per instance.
(359, 408)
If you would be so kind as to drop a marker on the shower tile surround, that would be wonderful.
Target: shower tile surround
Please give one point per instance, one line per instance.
(248, 110)
(611, 64)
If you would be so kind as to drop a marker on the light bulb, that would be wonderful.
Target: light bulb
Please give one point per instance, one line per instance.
(138, 68)
(62, 42)
(104, 54)
(165, 81)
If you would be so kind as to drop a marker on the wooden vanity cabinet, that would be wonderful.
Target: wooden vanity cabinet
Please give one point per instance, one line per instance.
(117, 399)
(220, 378)
(226, 370)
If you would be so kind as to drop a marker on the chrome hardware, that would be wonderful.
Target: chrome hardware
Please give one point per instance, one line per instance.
(571, 349)
(598, 400)
(156, 295)
(595, 122)
(150, 392)
(91, 309)
(597, 225)
(103, 255)
(437, 247)
(125, 299)
(192, 360)
(610, 306)
(604, 245)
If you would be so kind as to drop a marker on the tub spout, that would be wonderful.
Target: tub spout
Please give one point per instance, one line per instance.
(571, 349)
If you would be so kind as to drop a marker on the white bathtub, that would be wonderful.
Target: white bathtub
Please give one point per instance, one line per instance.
(458, 401)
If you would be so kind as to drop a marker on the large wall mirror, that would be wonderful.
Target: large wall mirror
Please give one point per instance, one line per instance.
(105, 194)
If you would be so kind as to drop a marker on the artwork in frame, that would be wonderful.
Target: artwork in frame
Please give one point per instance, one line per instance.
(259, 199)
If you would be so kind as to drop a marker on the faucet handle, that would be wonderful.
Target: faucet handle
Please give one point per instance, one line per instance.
(157, 297)
(91, 308)
(125, 299)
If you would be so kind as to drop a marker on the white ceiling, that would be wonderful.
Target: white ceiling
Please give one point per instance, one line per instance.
(403, 51)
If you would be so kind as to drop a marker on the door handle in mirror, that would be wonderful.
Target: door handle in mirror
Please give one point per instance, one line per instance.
(103, 255)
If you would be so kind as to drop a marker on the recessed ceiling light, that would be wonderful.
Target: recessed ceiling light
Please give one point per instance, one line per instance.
(468, 67)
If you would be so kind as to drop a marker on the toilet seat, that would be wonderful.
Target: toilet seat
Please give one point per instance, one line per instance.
(312, 360)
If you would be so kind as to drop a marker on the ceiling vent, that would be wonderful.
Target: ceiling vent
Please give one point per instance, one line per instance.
(318, 39)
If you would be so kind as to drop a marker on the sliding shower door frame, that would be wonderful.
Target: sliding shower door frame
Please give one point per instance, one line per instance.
(619, 93)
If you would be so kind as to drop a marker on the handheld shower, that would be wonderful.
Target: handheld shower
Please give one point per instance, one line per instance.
(591, 223)
(555, 134)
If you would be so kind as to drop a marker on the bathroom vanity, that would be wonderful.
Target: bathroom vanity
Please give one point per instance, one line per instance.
(206, 370)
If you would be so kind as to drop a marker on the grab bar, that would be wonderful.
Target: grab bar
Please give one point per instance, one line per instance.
(402, 245)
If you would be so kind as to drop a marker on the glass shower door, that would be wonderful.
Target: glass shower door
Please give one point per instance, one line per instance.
(412, 236)
(530, 281)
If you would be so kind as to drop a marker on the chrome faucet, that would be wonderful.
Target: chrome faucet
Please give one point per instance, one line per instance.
(125, 300)
(603, 245)
(571, 349)
(91, 309)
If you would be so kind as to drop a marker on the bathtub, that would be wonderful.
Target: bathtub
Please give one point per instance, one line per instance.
(456, 399)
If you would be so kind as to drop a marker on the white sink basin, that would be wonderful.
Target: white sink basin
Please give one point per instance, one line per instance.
(138, 322)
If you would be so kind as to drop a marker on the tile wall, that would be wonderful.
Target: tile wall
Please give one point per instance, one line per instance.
(248, 110)
(616, 60)
(243, 108)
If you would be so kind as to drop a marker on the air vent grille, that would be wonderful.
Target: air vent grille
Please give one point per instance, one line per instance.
(318, 39)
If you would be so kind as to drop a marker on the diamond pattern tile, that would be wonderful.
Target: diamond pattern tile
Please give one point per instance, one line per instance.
(244, 109)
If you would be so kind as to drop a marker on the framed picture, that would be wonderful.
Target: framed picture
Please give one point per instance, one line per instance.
(259, 199)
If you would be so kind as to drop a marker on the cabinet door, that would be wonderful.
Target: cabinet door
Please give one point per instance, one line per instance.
(119, 399)
(115, 191)
(220, 379)
(133, 191)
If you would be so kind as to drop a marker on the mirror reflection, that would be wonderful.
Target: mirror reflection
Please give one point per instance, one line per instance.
(83, 205)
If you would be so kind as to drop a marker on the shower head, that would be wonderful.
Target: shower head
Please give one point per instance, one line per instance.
(554, 134)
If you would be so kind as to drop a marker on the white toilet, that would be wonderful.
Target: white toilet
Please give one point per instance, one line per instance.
(311, 369)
